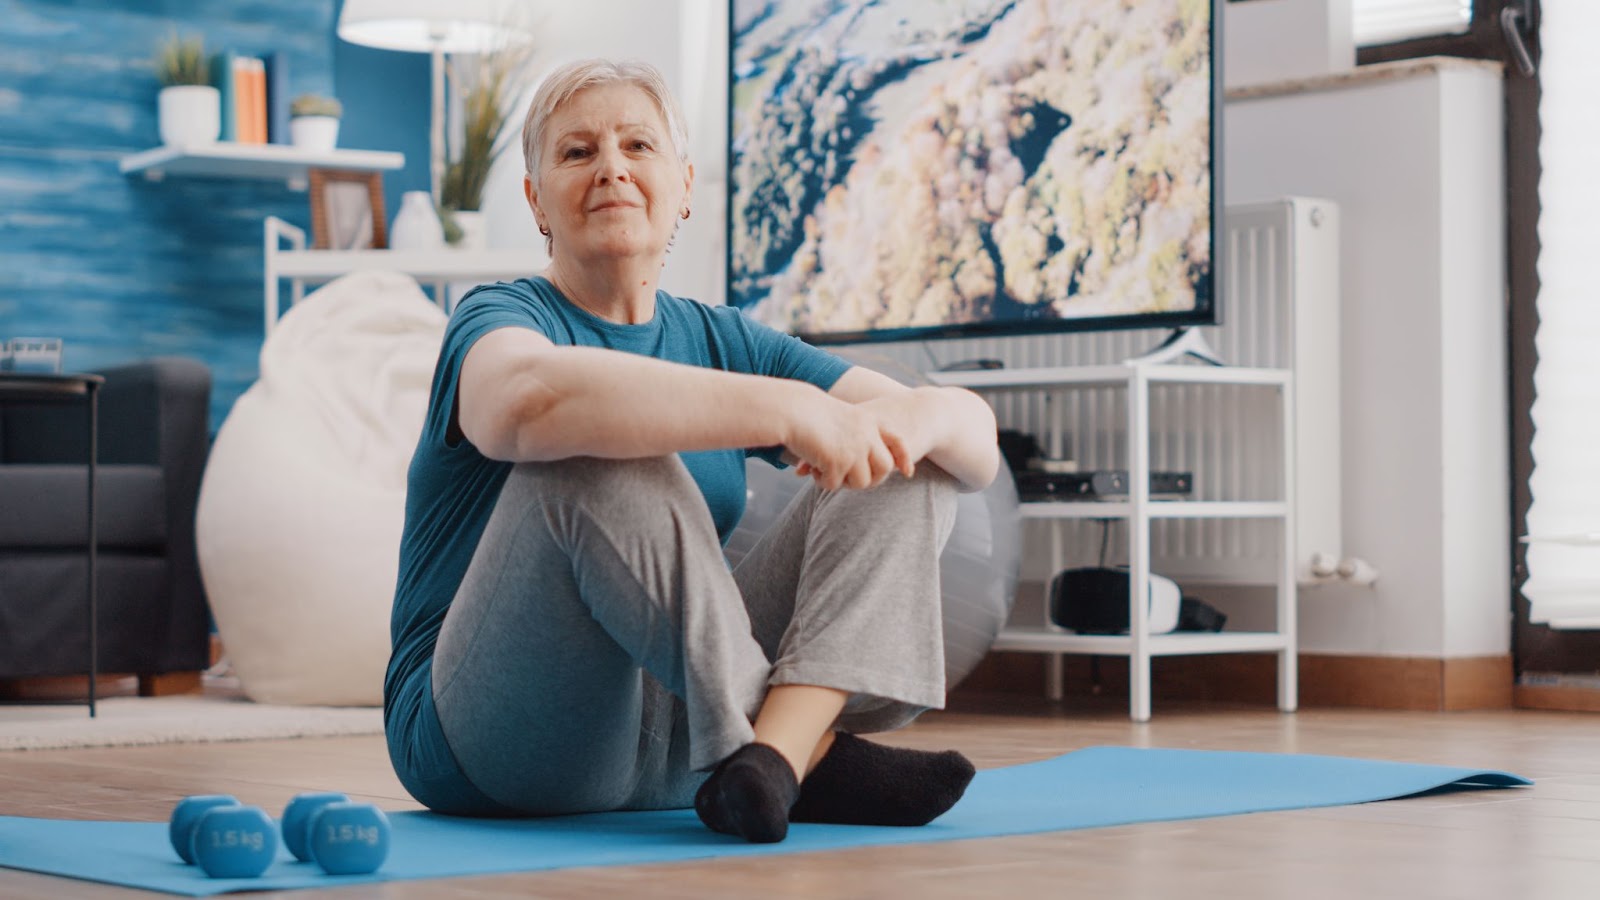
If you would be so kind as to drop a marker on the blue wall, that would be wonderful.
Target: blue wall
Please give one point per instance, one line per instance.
(124, 268)
(387, 98)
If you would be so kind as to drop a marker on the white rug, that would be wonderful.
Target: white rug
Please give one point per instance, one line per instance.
(194, 718)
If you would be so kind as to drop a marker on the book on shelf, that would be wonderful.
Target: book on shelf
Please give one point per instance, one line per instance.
(245, 113)
(222, 78)
(242, 83)
(277, 97)
(253, 100)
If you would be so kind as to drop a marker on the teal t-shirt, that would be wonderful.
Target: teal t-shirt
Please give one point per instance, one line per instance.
(451, 489)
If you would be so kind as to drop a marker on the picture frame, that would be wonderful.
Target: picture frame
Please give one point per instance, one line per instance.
(347, 210)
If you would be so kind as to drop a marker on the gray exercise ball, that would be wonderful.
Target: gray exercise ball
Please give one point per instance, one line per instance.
(977, 571)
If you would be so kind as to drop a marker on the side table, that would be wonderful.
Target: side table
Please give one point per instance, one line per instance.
(41, 388)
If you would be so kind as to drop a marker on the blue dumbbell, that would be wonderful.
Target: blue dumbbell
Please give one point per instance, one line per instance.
(349, 838)
(184, 817)
(297, 820)
(235, 841)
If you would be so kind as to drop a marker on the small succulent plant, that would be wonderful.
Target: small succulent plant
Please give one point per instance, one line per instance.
(316, 105)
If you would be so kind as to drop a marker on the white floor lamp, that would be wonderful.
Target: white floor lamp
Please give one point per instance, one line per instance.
(435, 27)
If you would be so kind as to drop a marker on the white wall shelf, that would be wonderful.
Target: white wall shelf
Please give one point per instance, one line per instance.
(1185, 644)
(1139, 510)
(1107, 376)
(436, 267)
(424, 265)
(263, 162)
(1157, 509)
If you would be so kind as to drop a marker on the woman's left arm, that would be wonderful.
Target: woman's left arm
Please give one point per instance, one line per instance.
(951, 427)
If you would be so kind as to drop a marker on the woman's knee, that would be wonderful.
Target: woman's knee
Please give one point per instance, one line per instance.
(928, 497)
(604, 483)
(930, 487)
(626, 500)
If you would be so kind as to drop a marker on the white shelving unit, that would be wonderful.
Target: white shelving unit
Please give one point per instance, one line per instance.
(437, 267)
(262, 162)
(1139, 510)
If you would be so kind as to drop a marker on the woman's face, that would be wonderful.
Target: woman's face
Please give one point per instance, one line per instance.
(610, 183)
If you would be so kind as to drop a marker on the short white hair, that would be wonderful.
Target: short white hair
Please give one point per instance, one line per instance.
(563, 83)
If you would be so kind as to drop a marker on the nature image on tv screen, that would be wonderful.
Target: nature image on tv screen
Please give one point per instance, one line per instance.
(937, 164)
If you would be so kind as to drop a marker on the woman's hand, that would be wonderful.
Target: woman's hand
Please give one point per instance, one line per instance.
(951, 428)
(907, 422)
(838, 444)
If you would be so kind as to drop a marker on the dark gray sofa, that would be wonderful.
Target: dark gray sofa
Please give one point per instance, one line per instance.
(152, 611)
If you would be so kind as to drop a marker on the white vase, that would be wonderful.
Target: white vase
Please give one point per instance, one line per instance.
(416, 226)
(474, 229)
(319, 134)
(189, 115)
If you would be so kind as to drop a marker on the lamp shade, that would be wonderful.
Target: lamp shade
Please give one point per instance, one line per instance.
(422, 26)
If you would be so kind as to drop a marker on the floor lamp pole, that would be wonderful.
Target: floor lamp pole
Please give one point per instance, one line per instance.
(436, 142)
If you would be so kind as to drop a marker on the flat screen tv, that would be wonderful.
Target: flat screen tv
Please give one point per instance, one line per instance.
(912, 169)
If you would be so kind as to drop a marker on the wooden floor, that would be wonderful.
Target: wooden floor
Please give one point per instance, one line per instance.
(1529, 843)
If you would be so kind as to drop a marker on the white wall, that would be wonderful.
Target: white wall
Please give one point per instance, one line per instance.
(1476, 457)
(687, 41)
(1276, 40)
(1415, 164)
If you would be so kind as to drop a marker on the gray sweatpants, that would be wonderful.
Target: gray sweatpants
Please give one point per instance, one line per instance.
(600, 655)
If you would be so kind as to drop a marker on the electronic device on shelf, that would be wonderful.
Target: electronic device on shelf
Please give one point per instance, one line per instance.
(973, 365)
(31, 355)
(1101, 484)
(1094, 600)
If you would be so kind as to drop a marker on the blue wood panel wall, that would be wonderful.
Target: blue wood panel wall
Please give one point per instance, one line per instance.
(120, 267)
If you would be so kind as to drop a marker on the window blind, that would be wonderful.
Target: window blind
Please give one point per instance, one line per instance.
(1386, 21)
(1564, 519)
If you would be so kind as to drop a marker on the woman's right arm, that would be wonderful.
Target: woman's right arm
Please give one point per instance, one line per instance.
(521, 398)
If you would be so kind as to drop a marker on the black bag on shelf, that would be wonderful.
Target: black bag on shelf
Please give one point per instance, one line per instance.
(1017, 447)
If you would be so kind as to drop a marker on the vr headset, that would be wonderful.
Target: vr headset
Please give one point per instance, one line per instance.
(1094, 600)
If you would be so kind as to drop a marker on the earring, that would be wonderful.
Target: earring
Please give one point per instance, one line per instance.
(685, 213)
(544, 230)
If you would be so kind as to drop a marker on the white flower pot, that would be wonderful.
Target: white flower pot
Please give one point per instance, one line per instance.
(416, 226)
(319, 134)
(474, 230)
(189, 115)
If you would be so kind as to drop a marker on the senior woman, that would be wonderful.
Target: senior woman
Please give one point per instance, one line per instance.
(568, 636)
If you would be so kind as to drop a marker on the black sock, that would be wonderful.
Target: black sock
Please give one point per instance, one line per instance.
(749, 795)
(861, 783)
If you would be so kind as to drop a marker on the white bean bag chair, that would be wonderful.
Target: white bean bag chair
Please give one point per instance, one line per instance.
(298, 527)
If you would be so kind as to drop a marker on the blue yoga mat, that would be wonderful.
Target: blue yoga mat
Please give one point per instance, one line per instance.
(1088, 789)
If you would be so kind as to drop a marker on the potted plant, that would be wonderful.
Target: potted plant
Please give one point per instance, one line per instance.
(314, 122)
(490, 84)
(188, 109)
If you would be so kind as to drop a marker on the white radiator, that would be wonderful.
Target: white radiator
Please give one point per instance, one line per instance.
(1279, 295)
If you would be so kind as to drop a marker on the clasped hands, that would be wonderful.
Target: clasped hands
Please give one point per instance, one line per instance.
(857, 445)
